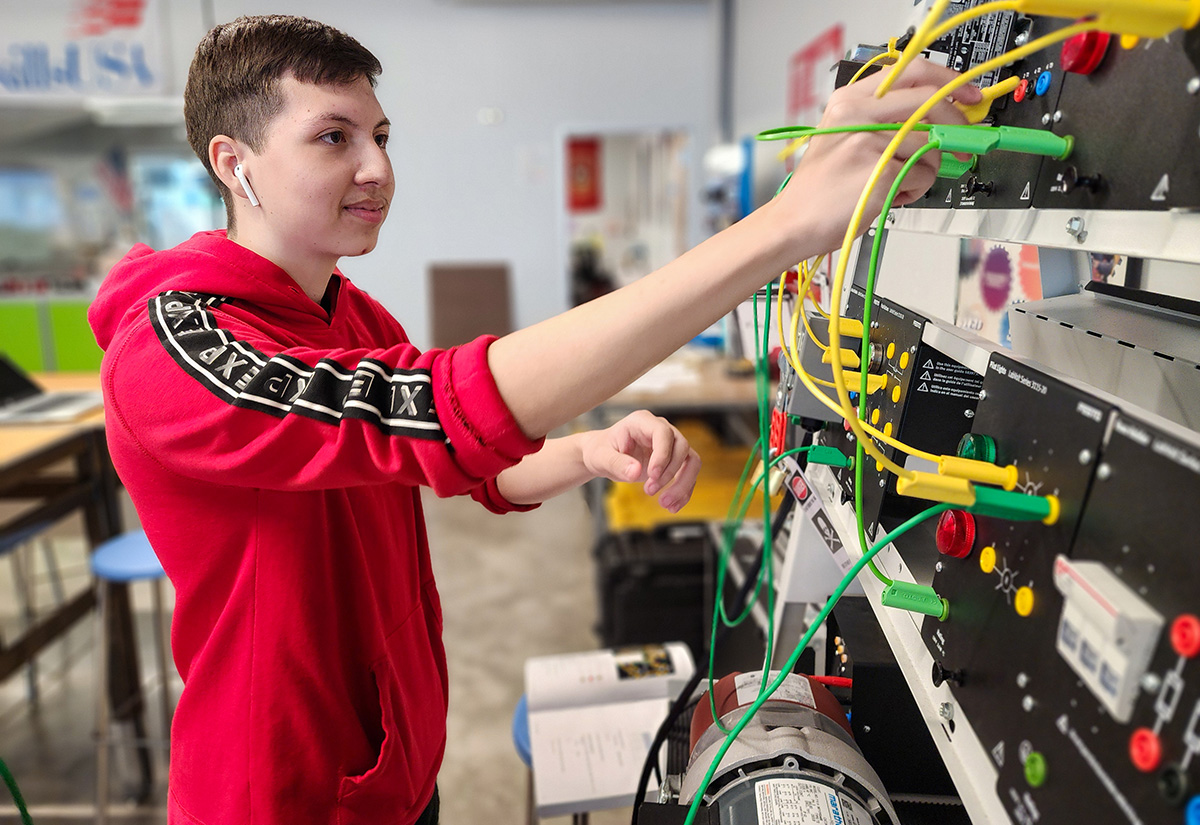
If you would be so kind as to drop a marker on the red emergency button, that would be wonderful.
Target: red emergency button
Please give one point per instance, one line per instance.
(1185, 636)
(956, 533)
(1145, 750)
(1082, 53)
(1022, 90)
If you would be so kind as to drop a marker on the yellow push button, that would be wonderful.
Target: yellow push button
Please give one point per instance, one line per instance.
(904, 360)
(896, 394)
(887, 429)
(1023, 601)
(874, 416)
(891, 350)
(987, 559)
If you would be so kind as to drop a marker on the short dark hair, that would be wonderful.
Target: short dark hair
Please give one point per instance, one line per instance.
(233, 83)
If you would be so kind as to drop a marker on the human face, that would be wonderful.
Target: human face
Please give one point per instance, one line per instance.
(323, 178)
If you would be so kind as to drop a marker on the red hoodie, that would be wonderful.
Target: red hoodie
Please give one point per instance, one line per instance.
(274, 453)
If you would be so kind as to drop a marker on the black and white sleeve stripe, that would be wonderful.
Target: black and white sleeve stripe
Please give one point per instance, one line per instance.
(399, 402)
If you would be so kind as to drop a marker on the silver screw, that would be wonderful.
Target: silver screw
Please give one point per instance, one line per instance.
(891, 218)
(1057, 116)
(1027, 704)
(1104, 472)
(1021, 39)
(983, 395)
(1085, 456)
(866, 728)
(1022, 680)
(937, 567)
(1046, 119)
(1076, 230)
(882, 483)
(1193, 85)
(1151, 682)
(946, 711)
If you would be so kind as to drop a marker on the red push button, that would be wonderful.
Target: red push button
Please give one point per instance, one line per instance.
(1145, 750)
(956, 533)
(1082, 53)
(1185, 636)
(1022, 91)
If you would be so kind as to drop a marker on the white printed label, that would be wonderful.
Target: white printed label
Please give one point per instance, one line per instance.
(804, 802)
(794, 689)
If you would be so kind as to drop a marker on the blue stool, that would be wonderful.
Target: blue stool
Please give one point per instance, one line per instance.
(520, 735)
(124, 559)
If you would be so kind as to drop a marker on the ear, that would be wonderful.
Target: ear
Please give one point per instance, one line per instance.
(224, 153)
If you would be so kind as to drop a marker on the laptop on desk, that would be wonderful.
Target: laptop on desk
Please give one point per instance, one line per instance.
(23, 402)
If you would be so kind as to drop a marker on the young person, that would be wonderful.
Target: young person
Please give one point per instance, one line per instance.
(274, 425)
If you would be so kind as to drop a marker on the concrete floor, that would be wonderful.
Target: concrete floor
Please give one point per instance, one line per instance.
(512, 587)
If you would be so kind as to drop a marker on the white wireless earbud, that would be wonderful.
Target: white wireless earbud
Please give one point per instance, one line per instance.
(241, 176)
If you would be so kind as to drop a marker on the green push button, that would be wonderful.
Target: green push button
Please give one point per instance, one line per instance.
(977, 447)
(1035, 770)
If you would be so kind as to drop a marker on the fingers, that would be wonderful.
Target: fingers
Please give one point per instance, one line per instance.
(667, 460)
(679, 493)
(645, 447)
(925, 73)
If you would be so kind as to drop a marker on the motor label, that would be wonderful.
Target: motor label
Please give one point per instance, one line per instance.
(804, 802)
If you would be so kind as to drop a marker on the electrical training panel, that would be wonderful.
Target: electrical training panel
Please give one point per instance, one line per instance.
(1063, 682)
(1045, 619)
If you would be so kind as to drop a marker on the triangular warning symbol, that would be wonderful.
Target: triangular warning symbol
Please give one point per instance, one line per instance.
(1160, 191)
(998, 754)
(948, 195)
(929, 364)
(1026, 194)
(926, 376)
(923, 388)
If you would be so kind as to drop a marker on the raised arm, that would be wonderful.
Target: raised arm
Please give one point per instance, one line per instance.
(555, 370)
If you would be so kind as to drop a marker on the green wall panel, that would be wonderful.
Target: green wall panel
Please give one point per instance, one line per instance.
(75, 348)
(20, 335)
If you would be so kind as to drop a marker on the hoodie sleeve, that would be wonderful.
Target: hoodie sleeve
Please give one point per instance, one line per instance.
(208, 395)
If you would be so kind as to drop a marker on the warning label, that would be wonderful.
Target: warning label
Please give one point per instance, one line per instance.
(940, 376)
(803, 802)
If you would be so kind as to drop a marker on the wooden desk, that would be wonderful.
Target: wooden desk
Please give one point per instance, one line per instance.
(54, 470)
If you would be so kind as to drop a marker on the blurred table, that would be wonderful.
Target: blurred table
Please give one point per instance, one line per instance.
(690, 384)
(52, 471)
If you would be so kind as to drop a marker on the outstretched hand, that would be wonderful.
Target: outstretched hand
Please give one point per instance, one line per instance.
(643, 447)
(830, 177)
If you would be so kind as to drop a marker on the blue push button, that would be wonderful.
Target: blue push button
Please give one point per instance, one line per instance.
(1193, 811)
(1043, 83)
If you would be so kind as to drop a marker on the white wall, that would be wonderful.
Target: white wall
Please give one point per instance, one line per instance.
(467, 191)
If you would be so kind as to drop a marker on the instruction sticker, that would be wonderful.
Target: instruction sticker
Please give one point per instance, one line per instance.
(949, 378)
(804, 802)
(792, 690)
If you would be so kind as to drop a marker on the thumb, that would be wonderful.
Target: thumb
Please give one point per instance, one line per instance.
(625, 468)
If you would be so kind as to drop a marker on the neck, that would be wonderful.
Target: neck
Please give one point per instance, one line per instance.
(311, 274)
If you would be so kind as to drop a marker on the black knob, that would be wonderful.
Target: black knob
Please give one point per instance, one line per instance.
(1173, 784)
(974, 185)
(944, 674)
(1072, 180)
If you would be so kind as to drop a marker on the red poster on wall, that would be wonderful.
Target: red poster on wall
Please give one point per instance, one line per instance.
(583, 174)
(810, 82)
